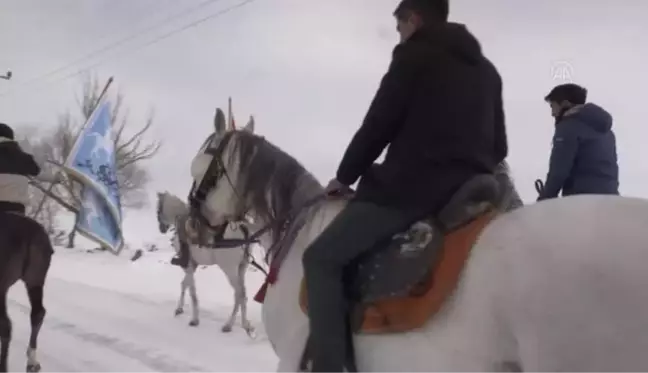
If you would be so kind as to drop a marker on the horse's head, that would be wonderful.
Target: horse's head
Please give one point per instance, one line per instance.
(169, 207)
(215, 172)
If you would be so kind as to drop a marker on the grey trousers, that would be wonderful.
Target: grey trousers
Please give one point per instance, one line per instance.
(359, 228)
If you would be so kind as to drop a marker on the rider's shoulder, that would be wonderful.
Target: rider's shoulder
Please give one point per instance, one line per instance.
(410, 53)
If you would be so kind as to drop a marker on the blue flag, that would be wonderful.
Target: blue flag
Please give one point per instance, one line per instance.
(92, 163)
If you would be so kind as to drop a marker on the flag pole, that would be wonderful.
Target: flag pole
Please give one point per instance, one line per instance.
(94, 107)
(48, 191)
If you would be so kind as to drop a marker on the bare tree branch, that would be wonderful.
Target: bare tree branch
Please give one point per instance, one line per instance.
(130, 150)
(41, 150)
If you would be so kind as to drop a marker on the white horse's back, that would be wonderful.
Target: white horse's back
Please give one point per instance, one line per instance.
(557, 286)
(554, 286)
(570, 290)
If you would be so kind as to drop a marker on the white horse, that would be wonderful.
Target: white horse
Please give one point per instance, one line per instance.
(559, 285)
(172, 211)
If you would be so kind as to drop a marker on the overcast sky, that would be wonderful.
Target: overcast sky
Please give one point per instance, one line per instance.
(308, 69)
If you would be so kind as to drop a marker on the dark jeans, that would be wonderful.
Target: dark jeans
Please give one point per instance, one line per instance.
(360, 227)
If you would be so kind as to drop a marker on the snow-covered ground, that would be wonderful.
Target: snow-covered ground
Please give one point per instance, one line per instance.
(108, 314)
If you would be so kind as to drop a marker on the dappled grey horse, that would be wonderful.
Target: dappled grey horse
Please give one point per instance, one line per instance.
(172, 211)
(25, 254)
(558, 285)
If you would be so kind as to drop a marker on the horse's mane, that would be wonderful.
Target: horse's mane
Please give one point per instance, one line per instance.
(270, 180)
(273, 183)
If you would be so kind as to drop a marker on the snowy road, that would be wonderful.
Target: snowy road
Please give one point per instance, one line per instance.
(108, 314)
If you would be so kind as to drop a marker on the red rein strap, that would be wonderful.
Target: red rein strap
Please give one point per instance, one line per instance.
(274, 266)
(270, 279)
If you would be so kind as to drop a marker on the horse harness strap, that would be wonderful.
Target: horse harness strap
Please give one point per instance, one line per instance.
(286, 217)
(230, 243)
(248, 255)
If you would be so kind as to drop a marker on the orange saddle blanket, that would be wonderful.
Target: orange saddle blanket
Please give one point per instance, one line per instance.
(401, 314)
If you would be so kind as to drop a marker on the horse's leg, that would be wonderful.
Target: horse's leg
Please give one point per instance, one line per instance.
(183, 287)
(232, 278)
(191, 280)
(242, 296)
(37, 316)
(5, 332)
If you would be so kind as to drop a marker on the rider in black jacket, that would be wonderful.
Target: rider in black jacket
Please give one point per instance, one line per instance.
(439, 109)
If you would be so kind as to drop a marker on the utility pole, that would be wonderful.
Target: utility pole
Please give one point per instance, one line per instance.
(7, 76)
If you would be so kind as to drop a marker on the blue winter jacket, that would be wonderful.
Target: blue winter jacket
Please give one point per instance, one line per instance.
(584, 157)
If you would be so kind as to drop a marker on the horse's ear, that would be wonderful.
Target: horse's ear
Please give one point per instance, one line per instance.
(250, 125)
(220, 124)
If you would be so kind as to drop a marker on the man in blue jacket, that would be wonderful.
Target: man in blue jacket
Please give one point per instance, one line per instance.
(584, 157)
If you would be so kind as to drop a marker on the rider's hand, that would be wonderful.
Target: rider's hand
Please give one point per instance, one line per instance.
(336, 188)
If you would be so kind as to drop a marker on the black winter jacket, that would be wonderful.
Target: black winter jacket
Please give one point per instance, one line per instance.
(439, 108)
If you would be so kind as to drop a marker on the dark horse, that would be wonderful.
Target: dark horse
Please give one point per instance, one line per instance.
(25, 254)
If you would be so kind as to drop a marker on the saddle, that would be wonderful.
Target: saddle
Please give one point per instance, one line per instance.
(404, 284)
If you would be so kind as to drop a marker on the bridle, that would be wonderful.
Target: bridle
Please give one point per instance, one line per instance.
(197, 195)
(215, 171)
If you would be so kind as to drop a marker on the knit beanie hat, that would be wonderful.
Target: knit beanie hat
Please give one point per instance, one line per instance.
(6, 131)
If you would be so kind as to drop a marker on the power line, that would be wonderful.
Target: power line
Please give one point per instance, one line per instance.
(125, 39)
(167, 35)
(147, 16)
(114, 45)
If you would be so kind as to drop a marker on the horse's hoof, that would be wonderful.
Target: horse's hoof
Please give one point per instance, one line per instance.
(33, 367)
(194, 323)
(179, 311)
(251, 333)
(226, 328)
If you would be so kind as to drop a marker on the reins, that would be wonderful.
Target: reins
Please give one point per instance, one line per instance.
(254, 238)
